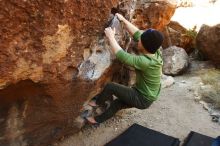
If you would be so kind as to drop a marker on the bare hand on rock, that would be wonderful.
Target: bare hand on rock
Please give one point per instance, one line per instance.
(109, 32)
(120, 17)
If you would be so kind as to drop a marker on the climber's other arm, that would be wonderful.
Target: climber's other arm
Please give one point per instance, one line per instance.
(130, 27)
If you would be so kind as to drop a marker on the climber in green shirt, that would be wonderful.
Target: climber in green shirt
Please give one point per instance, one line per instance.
(148, 68)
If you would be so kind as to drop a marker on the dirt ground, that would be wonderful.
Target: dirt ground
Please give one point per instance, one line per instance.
(176, 113)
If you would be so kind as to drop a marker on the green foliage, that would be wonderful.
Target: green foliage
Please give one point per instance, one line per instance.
(190, 37)
(192, 33)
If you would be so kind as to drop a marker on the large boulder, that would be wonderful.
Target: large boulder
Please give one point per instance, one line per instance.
(175, 60)
(54, 58)
(208, 42)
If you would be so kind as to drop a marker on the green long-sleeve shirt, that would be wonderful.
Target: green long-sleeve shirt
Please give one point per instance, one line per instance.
(148, 70)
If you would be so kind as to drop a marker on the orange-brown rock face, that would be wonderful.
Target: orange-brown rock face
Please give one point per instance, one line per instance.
(54, 54)
(154, 14)
(47, 37)
(53, 58)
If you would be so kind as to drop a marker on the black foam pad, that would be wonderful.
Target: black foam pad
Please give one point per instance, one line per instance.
(197, 139)
(137, 135)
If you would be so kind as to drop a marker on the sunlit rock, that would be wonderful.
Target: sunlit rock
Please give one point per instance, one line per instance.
(175, 60)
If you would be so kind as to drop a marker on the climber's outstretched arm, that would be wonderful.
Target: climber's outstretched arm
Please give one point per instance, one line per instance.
(110, 34)
(130, 27)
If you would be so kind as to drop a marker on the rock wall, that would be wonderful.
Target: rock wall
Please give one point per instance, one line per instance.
(44, 45)
(53, 58)
(47, 37)
(208, 42)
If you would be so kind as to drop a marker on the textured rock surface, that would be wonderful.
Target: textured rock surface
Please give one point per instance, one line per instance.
(53, 58)
(47, 37)
(208, 42)
(59, 45)
(153, 14)
(175, 60)
(177, 35)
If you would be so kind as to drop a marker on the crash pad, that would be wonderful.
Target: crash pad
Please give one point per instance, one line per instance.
(138, 135)
(197, 139)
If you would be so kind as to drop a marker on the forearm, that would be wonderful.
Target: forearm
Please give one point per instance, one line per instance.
(115, 47)
(130, 27)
